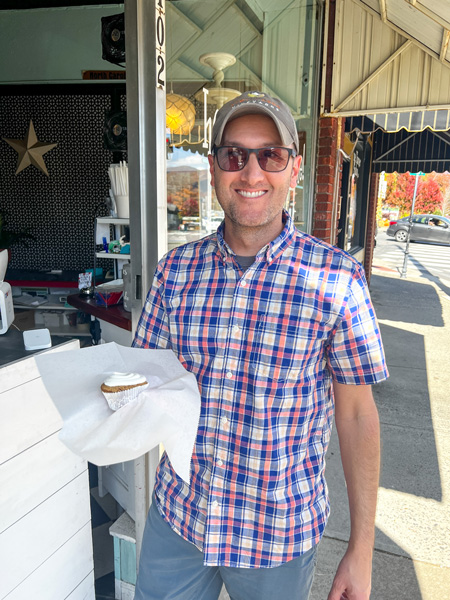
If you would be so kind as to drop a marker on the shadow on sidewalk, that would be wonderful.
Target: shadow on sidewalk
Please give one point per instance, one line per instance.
(428, 275)
(406, 301)
(393, 577)
(410, 463)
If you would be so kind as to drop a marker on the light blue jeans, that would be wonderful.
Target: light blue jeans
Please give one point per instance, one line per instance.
(171, 568)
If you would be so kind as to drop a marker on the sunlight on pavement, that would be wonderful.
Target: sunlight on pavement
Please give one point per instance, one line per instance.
(420, 526)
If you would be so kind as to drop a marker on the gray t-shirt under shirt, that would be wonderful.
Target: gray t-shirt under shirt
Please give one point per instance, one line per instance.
(245, 261)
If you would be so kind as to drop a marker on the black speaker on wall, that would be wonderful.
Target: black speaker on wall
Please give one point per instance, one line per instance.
(115, 131)
(113, 39)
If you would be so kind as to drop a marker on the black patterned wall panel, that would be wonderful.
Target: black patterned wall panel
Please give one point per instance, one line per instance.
(59, 210)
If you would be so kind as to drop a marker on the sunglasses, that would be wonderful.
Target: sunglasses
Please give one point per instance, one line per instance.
(234, 158)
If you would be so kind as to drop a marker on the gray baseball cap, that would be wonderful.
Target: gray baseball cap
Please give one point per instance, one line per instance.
(251, 103)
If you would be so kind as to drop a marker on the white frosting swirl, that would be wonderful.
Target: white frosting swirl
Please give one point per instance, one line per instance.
(119, 379)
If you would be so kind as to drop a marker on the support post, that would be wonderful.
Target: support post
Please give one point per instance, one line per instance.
(146, 126)
(408, 238)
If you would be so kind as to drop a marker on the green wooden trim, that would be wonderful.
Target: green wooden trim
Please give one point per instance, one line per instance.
(125, 560)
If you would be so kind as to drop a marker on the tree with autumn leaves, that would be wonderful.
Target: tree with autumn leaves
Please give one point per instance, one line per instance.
(433, 193)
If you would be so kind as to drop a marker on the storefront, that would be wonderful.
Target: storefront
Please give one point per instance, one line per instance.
(200, 53)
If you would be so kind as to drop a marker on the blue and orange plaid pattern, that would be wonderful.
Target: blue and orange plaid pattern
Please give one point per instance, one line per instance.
(264, 346)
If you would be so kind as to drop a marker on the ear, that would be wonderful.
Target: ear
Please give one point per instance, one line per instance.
(211, 168)
(295, 170)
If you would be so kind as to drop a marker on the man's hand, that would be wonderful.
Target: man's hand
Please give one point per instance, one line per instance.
(353, 578)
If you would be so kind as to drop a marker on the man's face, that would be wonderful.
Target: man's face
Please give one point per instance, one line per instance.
(253, 197)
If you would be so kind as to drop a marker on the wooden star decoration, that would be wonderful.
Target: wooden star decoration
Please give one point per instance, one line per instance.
(30, 151)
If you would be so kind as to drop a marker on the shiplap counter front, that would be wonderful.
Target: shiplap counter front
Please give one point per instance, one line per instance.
(45, 520)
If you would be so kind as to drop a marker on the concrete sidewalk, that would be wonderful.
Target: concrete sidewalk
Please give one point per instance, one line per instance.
(412, 548)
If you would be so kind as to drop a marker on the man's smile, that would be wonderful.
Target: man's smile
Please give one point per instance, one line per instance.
(249, 194)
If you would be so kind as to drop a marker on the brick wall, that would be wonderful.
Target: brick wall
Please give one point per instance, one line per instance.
(330, 139)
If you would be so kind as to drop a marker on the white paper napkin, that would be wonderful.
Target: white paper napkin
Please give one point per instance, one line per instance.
(166, 412)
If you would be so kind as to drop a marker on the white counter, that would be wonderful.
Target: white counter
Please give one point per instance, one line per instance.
(45, 520)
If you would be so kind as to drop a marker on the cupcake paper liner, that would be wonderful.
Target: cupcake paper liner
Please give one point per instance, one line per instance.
(118, 399)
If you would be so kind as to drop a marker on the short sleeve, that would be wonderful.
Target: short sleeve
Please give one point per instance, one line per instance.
(355, 353)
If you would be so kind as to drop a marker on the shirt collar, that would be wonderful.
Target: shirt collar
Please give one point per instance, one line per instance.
(272, 250)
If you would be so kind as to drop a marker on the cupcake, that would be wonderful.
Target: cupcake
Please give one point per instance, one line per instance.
(121, 388)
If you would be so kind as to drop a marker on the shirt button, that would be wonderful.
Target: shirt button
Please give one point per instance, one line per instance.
(229, 375)
(236, 329)
(220, 462)
(224, 420)
(243, 283)
(215, 504)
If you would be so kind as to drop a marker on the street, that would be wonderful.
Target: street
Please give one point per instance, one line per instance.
(424, 259)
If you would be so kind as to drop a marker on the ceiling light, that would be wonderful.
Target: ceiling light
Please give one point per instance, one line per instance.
(180, 114)
(217, 94)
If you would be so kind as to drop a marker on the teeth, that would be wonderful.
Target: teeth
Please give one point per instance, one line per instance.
(247, 194)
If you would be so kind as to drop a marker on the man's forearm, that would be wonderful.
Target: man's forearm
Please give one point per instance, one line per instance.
(358, 429)
(359, 441)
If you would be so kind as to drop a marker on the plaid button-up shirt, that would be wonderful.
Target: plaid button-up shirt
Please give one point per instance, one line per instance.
(264, 346)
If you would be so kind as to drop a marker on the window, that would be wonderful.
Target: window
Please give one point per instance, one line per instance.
(355, 189)
(434, 221)
(265, 45)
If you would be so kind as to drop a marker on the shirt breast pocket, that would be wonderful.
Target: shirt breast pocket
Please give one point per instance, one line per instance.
(186, 322)
(286, 351)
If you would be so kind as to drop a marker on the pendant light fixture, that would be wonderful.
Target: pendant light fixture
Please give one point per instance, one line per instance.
(217, 94)
(180, 114)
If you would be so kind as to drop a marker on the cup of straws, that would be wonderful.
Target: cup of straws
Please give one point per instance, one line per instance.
(118, 176)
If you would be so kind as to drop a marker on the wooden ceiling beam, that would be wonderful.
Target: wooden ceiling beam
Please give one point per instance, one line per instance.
(430, 13)
(444, 45)
(383, 11)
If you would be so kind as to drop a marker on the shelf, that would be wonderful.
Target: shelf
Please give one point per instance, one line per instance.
(54, 320)
(47, 279)
(43, 306)
(112, 221)
(112, 255)
(69, 331)
(116, 315)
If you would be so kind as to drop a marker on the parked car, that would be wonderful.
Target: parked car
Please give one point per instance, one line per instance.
(425, 228)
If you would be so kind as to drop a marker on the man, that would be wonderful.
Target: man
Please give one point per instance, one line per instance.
(279, 330)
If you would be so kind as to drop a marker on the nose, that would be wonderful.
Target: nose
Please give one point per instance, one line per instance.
(252, 172)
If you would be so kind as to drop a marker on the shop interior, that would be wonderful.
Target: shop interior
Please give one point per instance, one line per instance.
(213, 55)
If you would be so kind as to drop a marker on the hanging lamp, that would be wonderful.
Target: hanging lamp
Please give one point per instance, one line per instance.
(217, 94)
(180, 114)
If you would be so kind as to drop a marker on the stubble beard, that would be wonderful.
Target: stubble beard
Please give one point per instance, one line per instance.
(246, 223)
